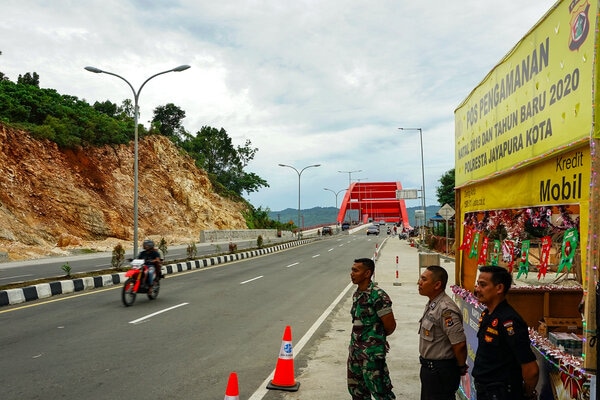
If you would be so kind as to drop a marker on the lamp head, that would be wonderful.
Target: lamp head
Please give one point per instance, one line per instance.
(94, 70)
(180, 68)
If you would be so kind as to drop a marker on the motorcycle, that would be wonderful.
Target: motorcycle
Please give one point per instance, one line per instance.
(136, 283)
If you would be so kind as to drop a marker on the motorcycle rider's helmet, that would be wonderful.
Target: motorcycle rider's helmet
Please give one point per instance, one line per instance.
(148, 244)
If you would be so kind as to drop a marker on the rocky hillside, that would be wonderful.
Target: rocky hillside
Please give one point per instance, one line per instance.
(53, 200)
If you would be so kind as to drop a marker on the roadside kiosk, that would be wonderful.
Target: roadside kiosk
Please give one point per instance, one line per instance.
(528, 194)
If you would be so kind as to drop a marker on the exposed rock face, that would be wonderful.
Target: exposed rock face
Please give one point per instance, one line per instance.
(51, 197)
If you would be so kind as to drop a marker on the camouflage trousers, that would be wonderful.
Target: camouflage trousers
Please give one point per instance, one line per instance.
(368, 378)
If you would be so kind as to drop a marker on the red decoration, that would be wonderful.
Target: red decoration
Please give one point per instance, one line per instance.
(484, 251)
(571, 379)
(466, 244)
(546, 246)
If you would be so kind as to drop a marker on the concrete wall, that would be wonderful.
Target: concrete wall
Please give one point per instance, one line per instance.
(209, 236)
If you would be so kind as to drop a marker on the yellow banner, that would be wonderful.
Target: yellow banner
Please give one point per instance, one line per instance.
(561, 179)
(536, 101)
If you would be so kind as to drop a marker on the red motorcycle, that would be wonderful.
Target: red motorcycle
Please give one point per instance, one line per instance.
(137, 282)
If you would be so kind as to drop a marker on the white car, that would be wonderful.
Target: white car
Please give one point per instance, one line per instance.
(373, 230)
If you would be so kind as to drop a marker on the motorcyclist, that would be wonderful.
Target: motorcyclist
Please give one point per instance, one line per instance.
(152, 258)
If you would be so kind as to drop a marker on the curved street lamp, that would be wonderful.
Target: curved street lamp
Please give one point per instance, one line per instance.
(136, 96)
(350, 175)
(299, 175)
(349, 184)
(336, 194)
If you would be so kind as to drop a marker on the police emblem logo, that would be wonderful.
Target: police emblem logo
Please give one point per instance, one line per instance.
(510, 329)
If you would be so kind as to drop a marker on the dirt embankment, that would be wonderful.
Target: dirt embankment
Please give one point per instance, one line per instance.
(53, 201)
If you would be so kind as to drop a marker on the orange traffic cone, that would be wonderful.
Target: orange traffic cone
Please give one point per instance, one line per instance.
(284, 371)
(232, 392)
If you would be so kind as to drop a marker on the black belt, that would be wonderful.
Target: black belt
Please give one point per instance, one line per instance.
(431, 364)
(491, 386)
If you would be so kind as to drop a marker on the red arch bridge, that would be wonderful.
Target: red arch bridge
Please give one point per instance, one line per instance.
(373, 201)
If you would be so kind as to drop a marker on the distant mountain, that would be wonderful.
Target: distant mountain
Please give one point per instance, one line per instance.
(328, 215)
(312, 216)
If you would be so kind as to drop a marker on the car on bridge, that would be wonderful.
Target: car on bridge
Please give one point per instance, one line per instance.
(327, 231)
(373, 230)
(345, 226)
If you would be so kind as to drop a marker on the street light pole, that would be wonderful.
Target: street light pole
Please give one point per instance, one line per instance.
(422, 172)
(136, 96)
(350, 175)
(299, 175)
(349, 183)
(336, 194)
(360, 213)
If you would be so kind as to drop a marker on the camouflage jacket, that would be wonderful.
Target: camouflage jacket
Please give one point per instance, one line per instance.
(368, 338)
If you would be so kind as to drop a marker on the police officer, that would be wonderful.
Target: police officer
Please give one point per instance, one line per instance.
(372, 321)
(505, 367)
(442, 343)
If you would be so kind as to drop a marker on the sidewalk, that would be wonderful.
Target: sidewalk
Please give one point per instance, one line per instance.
(324, 377)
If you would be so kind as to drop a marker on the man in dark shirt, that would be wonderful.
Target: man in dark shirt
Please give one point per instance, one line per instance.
(505, 367)
(152, 258)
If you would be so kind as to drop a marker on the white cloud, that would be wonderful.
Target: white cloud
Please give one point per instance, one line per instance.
(307, 81)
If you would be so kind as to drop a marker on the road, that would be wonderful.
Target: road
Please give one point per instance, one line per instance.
(205, 324)
(20, 271)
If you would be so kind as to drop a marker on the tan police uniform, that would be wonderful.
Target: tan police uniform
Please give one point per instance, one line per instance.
(440, 328)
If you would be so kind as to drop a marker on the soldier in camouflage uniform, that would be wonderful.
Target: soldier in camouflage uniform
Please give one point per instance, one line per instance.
(372, 321)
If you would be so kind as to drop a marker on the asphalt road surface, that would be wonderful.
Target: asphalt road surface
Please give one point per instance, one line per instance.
(205, 324)
(29, 270)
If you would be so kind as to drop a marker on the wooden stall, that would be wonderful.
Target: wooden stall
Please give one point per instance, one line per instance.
(527, 192)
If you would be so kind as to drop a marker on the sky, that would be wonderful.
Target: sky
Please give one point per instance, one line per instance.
(324, 82)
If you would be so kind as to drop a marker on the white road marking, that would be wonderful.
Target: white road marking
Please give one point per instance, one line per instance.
(135, 321)
(262, 390)
(316, 255)
(330, 249)
(291, 265)
(250, 280)
(16, 276)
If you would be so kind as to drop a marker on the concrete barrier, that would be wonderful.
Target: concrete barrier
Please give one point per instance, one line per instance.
(218, 235)
(45, 290)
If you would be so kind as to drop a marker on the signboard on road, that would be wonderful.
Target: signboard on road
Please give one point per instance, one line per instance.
(406, 194)
(446, 211)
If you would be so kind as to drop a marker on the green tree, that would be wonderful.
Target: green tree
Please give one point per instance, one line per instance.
(214, 152)
(126, 109)
(445, 192)
(106, 107)
(64, 119)
(29, 79)
(167, 119)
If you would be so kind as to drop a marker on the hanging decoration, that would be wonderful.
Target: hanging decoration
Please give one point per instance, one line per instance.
(482, 260)
(475, 245)
(524, 263)
(466, 244)
(544, 257)
(495, 253)
(569, 245)
(517, 226)
(508, 254)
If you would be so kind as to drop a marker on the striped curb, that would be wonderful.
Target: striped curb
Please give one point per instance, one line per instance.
(45, 290)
